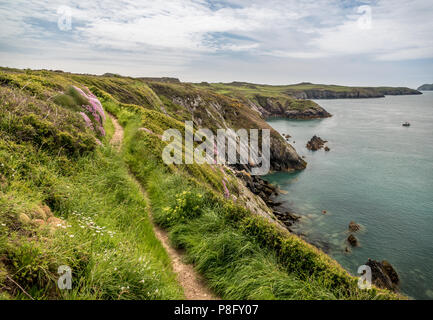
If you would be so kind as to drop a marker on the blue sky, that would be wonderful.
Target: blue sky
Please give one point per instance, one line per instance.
(382, 42)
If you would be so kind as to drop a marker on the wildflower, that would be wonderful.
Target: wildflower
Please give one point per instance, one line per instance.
(226, 191)
(87, 120)
(71, 236)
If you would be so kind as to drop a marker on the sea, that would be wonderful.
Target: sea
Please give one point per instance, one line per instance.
(378, 174)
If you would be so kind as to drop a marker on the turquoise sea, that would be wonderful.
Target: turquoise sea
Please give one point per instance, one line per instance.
(378, 174)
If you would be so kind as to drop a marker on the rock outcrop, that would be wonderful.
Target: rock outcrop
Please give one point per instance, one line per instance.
(353, 226)
(266, 191)
(383, 275)
(316, 143)
(350, 93)
(214, 111)
(289, 108)
(352, 240)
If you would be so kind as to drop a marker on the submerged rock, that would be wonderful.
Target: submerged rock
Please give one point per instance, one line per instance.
(316, 143)
(352, 240)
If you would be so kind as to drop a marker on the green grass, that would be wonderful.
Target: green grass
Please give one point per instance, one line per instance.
(242, 256)
(285, 94)
(51, 166)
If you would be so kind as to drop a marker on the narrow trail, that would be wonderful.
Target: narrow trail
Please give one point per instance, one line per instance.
(193, 284)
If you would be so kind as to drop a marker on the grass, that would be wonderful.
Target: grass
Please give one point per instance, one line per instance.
(241, 255)
(67, 200)
(286, 94)
(108, 242)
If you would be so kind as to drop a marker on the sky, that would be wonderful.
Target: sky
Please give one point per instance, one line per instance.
(347, 42)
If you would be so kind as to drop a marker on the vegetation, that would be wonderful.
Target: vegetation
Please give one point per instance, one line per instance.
(66, 199)
(304, 90)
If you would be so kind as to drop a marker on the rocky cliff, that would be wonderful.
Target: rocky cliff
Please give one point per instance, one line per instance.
(288, 108)
(351, 93)
(214, 111)
(426, 87)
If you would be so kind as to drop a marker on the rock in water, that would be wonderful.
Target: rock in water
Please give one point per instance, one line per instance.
(353, 226)
(390, 271)
(352, 240)
(315, 143)
(383, 275)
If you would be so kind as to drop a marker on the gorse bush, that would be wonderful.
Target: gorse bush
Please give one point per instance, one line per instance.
(188, 206)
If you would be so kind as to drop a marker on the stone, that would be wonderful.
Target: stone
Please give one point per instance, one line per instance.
(390, 271)
(383, 276)
(352, 240)
(316, 143)
(353, 226)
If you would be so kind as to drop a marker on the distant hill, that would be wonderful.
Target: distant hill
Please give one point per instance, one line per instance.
(306, 90)
(426, 87)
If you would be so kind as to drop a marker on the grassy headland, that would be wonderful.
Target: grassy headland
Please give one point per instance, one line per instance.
(67, 198)
(306, 90)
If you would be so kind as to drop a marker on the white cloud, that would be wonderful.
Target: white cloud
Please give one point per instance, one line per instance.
(164, 34)
(400, 30)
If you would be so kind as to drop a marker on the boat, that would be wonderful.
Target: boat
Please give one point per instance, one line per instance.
(406, 124)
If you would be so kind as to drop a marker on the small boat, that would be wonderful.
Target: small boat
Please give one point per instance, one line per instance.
(406, 124)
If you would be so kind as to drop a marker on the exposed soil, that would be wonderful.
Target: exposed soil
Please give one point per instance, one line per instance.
(193, 284)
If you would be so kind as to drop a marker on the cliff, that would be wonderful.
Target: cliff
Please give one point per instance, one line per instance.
(426, 87)
(305, 90)
(269, 101)
(67, 197)
(352, 93)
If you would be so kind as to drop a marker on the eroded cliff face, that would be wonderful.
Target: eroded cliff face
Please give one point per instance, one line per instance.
(350, 94)
(213, 111)
(289, 108)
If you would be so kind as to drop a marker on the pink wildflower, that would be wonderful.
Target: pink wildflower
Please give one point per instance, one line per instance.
(87, 120)
(226, 191)
(101, 131)
(93, 100)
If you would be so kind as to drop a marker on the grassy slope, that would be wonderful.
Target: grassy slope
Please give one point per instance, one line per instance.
(108, 240)
(253, 91)
(242, 256)
(250, 90)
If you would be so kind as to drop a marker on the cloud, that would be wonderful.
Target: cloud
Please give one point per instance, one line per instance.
(164, 34)
(399, 30)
